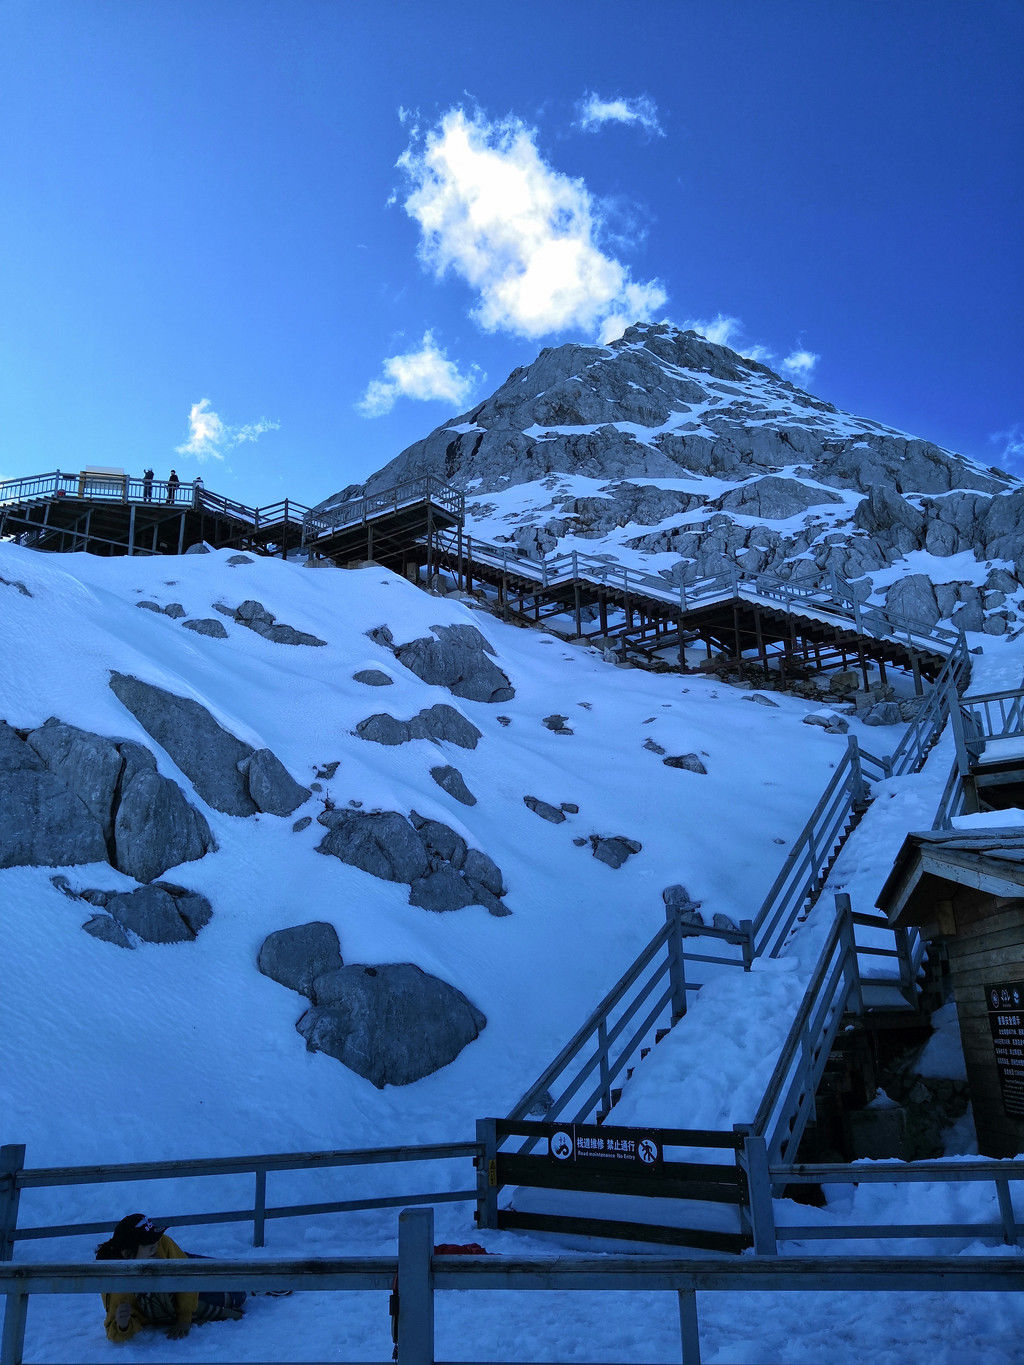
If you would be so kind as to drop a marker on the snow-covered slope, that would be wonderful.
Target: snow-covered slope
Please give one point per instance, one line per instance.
(195, 1050)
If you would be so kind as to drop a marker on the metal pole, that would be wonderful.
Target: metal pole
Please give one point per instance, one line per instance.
(1006, 1213)
(759, 1182)
(689, 1328)
(487, 1174)
(259, 1210)
(131, 530)
(12, 1163)
(12, 1345)
(181, 534)
(415, 1287)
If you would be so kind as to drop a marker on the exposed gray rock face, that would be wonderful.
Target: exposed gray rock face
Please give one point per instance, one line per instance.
(557, 724)
(235, 560)
(678, 901)
(255, 615)
(554, 814)
(442, 871)
(68, 796)
(199, 548)
(392, 1024)
(761, 700)
(373, 677)
(271, 786)
(458, 660)
(451, 780)
(441, 723)
(154, 826)
(17, 584)
(830, 723)
(160, 913)
(884, 713)
(701, 409)
(615, 850)
(217, 764)
(207, 625)
(382, 843)
(296, 957)
(914, 599)
(689, 762)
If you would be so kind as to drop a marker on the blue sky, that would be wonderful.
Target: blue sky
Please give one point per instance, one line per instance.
(274, 243)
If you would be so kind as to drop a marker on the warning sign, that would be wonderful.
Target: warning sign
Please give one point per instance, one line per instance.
(1005, 1002)
(591, 1144)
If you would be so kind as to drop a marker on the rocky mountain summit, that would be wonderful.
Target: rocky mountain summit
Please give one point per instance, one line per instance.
(686, 459)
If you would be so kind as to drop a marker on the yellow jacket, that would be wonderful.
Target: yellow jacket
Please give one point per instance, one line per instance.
(185, 1304)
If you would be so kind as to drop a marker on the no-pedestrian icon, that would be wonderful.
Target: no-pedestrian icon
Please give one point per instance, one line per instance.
(561, 1145)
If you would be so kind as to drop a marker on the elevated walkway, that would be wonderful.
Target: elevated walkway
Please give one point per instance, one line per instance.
(399, 528)
(109, 512)
(733, 615)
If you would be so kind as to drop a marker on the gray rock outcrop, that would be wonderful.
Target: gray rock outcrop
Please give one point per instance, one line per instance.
(442, 871)
(441, 723)
(458, 659)
(159, 913)
(207, 625)
(449, 779)
(690, 763)
(295, 957)
(614, 850)
(553, 814)
(68, 796)
(373, 677)
(256, 617)
(216, 763)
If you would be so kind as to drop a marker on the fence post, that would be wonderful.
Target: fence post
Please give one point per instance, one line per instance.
(259, 1209)
(487, 1173)
(858, 787)
(759, 1192)
(689, 1328)
(602, 1057)
(676, 967)
(415, 1287)
(12, 1163)
(844, 911)
(12, 1344)
(1006, 1213)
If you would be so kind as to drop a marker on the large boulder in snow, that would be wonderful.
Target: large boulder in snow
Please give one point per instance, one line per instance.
(441, 723)
(87, 764)
(449, 779)
(160, 913)
(255, 615)
(382, 843)
(913, 600)
(154, 826)
(295, 957)
(215, 761)
(392, 1024)
(43, 823)
(457, 659)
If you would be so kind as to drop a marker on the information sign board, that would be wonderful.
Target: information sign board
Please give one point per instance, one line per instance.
(1005, 1004)
(591, 1144)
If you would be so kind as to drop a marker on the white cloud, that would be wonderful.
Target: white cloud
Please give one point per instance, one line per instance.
(210, 438)
(594, 112)
(1012, 443)
(800, 364)
(722, 330)
(424, 374)
(524, 236)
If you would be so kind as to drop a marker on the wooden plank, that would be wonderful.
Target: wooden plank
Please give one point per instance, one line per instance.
(718, 1184)
(699, 1238)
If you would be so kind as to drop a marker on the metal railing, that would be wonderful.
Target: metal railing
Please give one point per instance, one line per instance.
(15, 1178)
(318, 523)
(651, 994)
(833, 598)
(998, 1173)
(421, 1274)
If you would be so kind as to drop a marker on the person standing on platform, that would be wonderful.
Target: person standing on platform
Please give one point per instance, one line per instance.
(172, 486)
(147, 485)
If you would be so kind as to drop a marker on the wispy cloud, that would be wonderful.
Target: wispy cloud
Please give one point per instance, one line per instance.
(593, 112)
(1011, 443)
(799, 364)
(724, 330)
(210, 437)
(424, 374)
(524, 236)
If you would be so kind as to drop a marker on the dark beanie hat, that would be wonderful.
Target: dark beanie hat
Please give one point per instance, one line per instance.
(136, 1231)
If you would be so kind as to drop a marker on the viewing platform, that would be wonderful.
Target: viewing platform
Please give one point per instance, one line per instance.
(110, 512)
(399, 528)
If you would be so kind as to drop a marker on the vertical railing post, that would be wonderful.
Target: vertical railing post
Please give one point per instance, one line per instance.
(415, 1287)
(963, 761)
(676, 966)
(12, 1163)
(689, 1328)
(12, 1344)
(1006, 1213)
(259, 1207)
(759, 1192)
(487, 1173)
(844, 912)
(603, 1063)
(858, 787)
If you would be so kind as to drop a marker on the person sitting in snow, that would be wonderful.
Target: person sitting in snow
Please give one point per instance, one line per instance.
(137, 1238)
